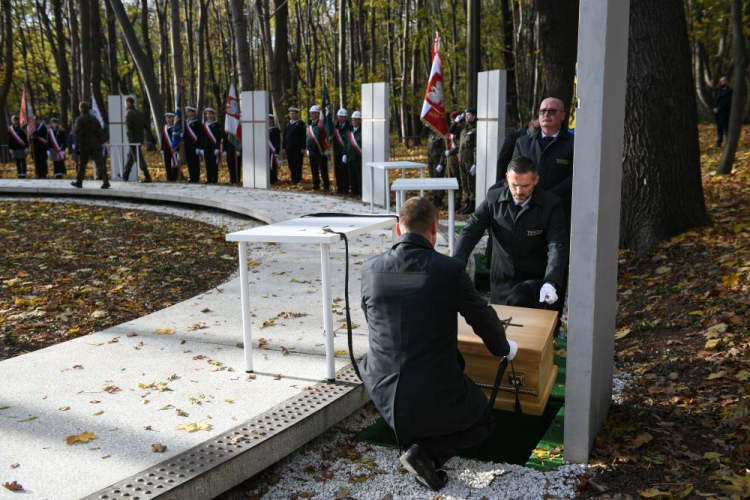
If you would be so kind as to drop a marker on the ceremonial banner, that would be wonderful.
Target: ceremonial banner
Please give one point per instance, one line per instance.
(433, 108)
(27, 111)
(327, 112)
(177, 129)
(95, 111)
(232, 125)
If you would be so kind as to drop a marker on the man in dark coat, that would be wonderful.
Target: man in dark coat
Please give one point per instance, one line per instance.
(19, 145)
(193, 137)
(38, 138)
(528, 237)
(722, 105)
(413, 371)
(294, 144)
(340, 137)
(170, 152)
(353, 156)
(274, 146)
(136, 124)
(317, 146)
(89, 137)
(56, 143)
(233, 156)
(509, 145)
(211, 147)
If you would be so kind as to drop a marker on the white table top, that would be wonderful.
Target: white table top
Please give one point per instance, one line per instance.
(310, 229)
(430, 183)
(395, 164)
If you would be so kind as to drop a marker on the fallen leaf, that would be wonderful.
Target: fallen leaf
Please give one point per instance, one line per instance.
(83, 437)
(192, 427)
(111, 389)
(716, 375)
(712, 344)
(642, 439)
(158, 448)
(96, 414)
(131, 334)
(164, 331)
(64, 408)
(622, 333)
(28, 419)
(340, 352)
(655, 493)
(277, 376)
(15, 466)
(229, 400)
(14, 486)
(711, 455)
(181, 413)
(78, 367)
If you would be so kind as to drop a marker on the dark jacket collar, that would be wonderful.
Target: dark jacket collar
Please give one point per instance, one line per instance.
(536, 199)
(413, 239)
(564, 134)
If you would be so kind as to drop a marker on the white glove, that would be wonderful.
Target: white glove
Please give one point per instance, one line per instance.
(62, 155)
(343, 159)
(238, 153)
(439, 168)
(27, 150)
(548, 294)
(459, 118)
(216, 152)
(225, 153)
(513, 350)
(198, 151)
(308, 154)
(202, 153)
(447, 152)
(473, 170)
(48, 153)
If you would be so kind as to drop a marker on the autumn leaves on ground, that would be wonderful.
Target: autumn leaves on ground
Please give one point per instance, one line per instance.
(682, 429)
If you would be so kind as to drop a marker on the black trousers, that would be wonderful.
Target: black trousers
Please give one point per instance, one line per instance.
(58, 168)
(294, 159)
(133, 154)
(212, 167)
(354, 165)
(319, 168)
(432, 169)
(234, 166)
(169, 171)
(722, 127)
(193, 164)
(83, 160)
(40, 162)
(440, 449)
(21, 166)
(342, 174)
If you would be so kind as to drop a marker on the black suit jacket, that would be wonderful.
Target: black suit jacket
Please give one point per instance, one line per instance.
(411, 296)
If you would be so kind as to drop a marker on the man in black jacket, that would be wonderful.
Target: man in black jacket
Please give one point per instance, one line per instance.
(294, 144)
(722, 105)
(413, 371)
(528, 237)
(509, 146)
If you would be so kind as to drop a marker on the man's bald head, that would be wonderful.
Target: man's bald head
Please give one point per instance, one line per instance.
(419, 216)
(551, 115)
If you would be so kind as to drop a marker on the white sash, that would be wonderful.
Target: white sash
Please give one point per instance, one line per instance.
(210, 134)
(338, 137)
(353, 142)
(168, 140)
(18, 139)
(314, 138)
(192, 135)
(272, 150)
(59, 154)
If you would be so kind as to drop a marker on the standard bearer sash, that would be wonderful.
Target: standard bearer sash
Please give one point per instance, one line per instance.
(39, 138)
(272, 150)
(207, 129)
(312, 135)
(191, 133)
(339, 139)
(59, 153)
(17, 137)
(168, 141)
(353, 142)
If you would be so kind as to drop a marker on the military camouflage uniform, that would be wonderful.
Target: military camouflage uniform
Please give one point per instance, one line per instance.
(467, 157)
(436, 157)
(135, 121)
(455, 130)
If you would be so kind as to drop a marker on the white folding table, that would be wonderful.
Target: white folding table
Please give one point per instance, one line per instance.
(303, 230)
(450, 184)
(387, 166)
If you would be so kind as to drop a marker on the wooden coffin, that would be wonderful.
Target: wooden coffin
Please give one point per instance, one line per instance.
(534, 367)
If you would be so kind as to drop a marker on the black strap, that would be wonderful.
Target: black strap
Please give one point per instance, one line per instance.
(501, 372)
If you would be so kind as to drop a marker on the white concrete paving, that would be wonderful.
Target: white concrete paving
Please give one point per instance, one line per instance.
(202, 353)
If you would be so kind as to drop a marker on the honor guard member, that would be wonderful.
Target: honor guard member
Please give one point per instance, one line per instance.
(170, 152)
(317, 149)
(436, 162)
(56, 151)
(212, 135)
(454, 132)
(19, 145)
(193, 137)
(467, 158)
(89, 138)
(39, 138)
(528, 237)
(274, 145)
(294, 144)
(340, 135)
(233, 159)
(413, 371)
(136, 124)
(353, 157)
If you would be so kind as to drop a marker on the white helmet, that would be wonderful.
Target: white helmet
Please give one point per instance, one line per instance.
(342, 112)
(357, 114)
(314, 109)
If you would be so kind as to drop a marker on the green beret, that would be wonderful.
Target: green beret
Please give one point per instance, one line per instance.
(473, 111)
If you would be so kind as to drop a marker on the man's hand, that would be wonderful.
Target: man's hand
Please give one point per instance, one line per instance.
(308, 154)
(439, 168)
(343, 159)
(216, 152)
(198, 152)
(459, 118)
(513, 350)
(447, 152)
(473, 170)
(716, 111)
(548, 294)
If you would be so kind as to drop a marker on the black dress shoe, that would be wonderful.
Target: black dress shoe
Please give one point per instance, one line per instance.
(75, 184)
(423, 469)
(147, 180)
(105, 185)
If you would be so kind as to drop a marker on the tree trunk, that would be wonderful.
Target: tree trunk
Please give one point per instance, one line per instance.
(473, 51)
(144, 64)
(281, 49)
(176, 46)
(202, 24)
(404, 73)
(509, 61)
(342, 53)
(146, 34)
(192, 97)
(85, 13)
(740, 62)
(662, 193)
(558, 31)
(240, 40)
(114, 77)
(261, 8)
(75, 55)
(7, 71)
(96, 57)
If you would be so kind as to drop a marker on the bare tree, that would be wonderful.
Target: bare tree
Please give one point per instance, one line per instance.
(85, 19)
(240, 40)
(7, 70)
(261, 10)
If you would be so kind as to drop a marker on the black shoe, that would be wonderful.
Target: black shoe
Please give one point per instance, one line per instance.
(147, 180)
(76, 184)
(21, 176)
(105, 185)
(423, 469)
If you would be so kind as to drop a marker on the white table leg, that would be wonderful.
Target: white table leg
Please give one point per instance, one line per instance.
(372, 190)
(421, 176)
(387, 192)
(325, 266)
(245, 298)
(451, 221)
(399, 201)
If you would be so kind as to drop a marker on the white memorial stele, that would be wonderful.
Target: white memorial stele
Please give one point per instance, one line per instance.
(255, 155)
(117, 145)
(491, 104)
(376, 145)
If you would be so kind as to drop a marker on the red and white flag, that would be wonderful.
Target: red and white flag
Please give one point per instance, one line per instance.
(27, 111)
(433, 108)
(232, 125)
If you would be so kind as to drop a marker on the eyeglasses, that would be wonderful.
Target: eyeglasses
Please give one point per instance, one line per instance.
(550, 111)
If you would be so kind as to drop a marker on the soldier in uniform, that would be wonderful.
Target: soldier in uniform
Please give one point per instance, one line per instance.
(19, 145)
(274, 145)
(436, 163)
(39, 139)
(454, 132)
(136, 124)
(294, 144)
(317, 149)
(340, 135)
(211, 148)
(169, 153)
(467, 154)
(233, 159)
(353, 156)
(89, 137)
(193, 137)
(56, 151)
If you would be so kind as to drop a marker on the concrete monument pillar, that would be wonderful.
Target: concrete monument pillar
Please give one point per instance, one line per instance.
(376, 144)
(491, 104)
(600, 123)
(256, 169)
(118, 139)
